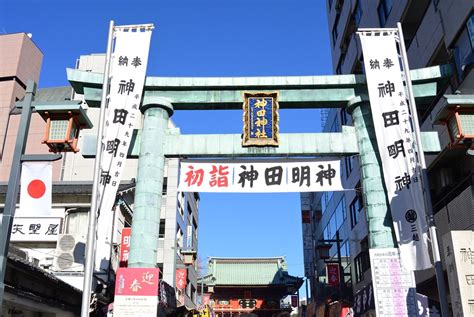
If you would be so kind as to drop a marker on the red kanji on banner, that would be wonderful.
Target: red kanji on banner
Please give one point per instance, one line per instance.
(333, 274)
(219, 176)
(137, 282)
(194, 177)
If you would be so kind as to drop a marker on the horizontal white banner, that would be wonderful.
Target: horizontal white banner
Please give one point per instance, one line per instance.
(249, 177)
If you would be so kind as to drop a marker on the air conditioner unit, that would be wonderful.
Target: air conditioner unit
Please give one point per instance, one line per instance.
(70, 253)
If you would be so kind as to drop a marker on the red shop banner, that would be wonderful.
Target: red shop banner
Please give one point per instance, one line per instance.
(125, 246)
(332, 271)
(181, 275)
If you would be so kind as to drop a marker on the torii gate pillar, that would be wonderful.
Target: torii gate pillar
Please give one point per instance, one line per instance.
(149, 188)
(379, 219)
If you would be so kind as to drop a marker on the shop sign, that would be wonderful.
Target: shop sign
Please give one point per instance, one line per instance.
(333, 274)
(136, 292)
(41, 229)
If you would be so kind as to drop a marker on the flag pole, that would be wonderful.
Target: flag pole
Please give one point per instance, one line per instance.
(92, 228)
(424, 178)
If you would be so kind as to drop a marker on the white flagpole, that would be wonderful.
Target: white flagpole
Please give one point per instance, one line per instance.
(91, 233)
(443, 298)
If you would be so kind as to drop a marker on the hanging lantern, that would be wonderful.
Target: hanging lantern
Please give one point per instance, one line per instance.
(458, 116)
(323, 250)
(63, 123)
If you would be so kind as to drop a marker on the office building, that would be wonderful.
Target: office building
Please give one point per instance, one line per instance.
(435, 33)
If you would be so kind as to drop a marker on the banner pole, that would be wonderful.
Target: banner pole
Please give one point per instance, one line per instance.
(424, 178)
(91, 233)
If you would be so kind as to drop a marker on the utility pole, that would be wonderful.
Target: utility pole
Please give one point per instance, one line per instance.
(14, 181)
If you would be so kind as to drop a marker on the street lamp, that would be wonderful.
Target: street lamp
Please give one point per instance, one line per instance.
(189, 256)
(457, 114)
(63, 123)
(26, 107)
(323, 250)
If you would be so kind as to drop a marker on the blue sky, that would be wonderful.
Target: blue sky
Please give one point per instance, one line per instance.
(201, 38)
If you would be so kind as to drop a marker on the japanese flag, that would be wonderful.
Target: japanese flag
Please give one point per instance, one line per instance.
(36, 183)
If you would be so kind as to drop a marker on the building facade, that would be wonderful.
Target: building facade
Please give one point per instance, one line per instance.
(435, 33)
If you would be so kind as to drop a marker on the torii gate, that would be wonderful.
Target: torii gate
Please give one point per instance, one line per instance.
(163, 96)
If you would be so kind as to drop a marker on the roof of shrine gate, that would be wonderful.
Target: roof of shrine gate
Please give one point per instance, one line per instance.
(226, 92)
(250, 272)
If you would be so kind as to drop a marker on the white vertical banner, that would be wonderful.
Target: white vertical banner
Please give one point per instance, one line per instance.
(36, 188)
(128, 69)
(393, 125)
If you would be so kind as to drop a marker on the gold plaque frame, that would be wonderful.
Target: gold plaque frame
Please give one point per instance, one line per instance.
(247, 140)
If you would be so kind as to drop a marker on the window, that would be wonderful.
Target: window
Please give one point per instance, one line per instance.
(362, 260)
(339, 68)
(348, 165)
(361, 264)
(334, 30)
(340, 213)
(354, 213)
(165, 185)
(335, 127)
(344, 116)
(161, 233)
(355, 207)
(179, 239)
(464, 49)
(470, 29)
(326, 234)
(329, 196)
(190, 210)
(77, 222)
(181, 204)
(333, 225)
(383, 10)
(324, 201)
(357, 13)
(345, 255)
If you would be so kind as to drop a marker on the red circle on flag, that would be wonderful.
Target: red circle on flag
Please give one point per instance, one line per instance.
(36, 188)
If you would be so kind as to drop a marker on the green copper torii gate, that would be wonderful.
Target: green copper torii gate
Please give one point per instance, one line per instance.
(162, 96)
